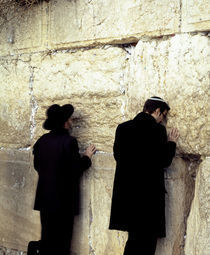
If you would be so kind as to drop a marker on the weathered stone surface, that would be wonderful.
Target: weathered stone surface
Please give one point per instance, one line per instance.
(19, 223)
(15, 109)
(195, 15)
(176, 69)
(91, 81)
(81, 239)
(82, 23)
(8, 251)
(105, 90)
(21, 29)
(102, 240)
(198, 224)
(91, 234)
(179, 179)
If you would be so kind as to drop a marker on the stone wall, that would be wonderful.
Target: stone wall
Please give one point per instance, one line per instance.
(106, 58)
(8, 251)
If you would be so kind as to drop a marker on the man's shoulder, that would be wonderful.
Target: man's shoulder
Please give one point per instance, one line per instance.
(161, 127)
(41, 138)
(70, 139)
(125, 125)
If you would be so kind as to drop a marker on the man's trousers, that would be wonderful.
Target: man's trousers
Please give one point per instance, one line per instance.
(56, 233)
(139, 244)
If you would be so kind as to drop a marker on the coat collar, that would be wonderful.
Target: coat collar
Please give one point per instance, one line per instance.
(144, 116)
(59, 131)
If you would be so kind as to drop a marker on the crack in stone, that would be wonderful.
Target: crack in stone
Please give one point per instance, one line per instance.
(194, 161)
(91, 249)
(33, 103)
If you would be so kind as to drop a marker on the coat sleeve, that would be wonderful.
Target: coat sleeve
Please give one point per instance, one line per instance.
(76, 161)
(167, 149)
(118, 148)
(36, 156)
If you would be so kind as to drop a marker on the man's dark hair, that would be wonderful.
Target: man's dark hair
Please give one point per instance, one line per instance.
(153, 103)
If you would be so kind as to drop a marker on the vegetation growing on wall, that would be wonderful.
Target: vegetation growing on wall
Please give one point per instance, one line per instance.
(29, 3)
(10, 9)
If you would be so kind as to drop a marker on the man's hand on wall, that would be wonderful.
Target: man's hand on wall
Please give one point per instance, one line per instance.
(173, 135)
(91, 149)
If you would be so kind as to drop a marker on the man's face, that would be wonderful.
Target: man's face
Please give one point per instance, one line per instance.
(162, 116)
(68, 123)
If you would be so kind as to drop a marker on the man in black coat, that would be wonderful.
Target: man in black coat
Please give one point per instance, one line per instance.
(60, 166)
(142, 150)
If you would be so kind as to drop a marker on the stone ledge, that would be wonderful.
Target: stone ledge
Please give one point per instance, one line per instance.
(195, 16)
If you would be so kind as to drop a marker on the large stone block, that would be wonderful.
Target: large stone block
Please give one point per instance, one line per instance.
(91, 81)
(91, 234)
(21, 29)
(195, 15)
(81, 238)
(19, 223)
(15, 105)
(179, 179)
(198, 224)
(101, 239)
(175, 68)
(82, 23)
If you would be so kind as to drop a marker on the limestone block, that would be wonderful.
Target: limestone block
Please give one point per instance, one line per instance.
(195, 15)
(19, 223)
(102, 240)
(91, 81)
(91, 234)
(81, 238)
(21, 29)
(82, 23)
(4, 250)
(180, 189)
(139, 15)
(198, 224)
(15, 109)
(176, 69)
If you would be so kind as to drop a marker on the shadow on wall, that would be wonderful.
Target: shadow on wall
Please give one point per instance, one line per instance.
(180, 185)
(19, 223)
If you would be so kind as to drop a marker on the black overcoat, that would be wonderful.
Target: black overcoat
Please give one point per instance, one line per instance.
(141, 151)
(59, 166)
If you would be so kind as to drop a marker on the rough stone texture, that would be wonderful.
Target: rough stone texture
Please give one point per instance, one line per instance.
(19, 224)
(108, 21)
(198, 224)
(6, 251)
(91, 81)
(82, 23)
(195, 15)
(175, 68)
(15, 109)
(91, 234)
(107, 85)
(21, 30)
(180, 184)
(103, 241)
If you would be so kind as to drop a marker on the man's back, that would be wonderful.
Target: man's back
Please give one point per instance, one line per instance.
(141, 151)
(59, 164)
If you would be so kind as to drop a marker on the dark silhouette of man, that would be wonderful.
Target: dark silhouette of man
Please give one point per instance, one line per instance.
(60, 166)
(142, 150)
